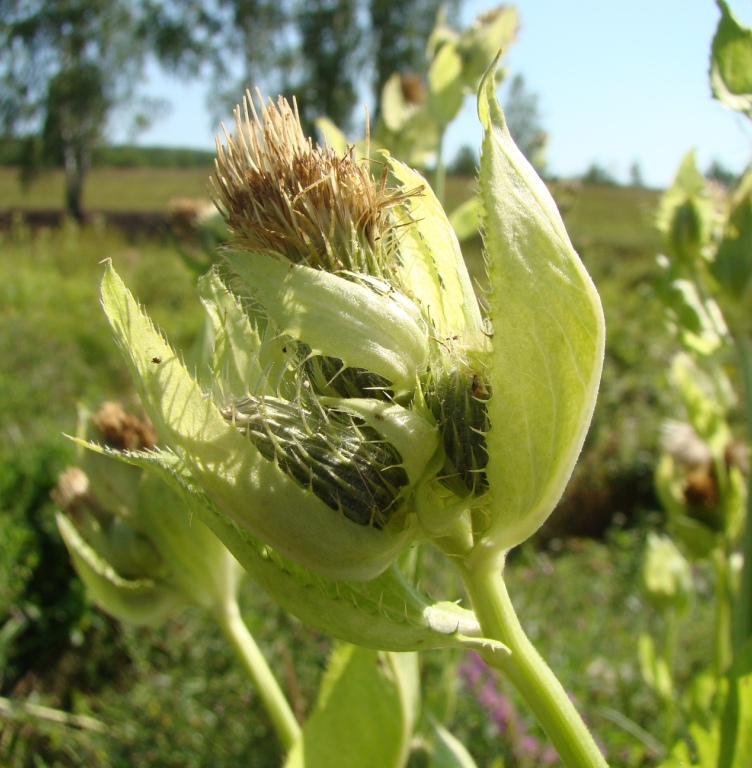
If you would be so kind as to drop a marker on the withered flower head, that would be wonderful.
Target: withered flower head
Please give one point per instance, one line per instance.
(122, 430)
(281, 194)
(413, 88)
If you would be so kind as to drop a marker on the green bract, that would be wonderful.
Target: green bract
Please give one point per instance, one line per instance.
(687, 215)
(548, 339)
(666, 575)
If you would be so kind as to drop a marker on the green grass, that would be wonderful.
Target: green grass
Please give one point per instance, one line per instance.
(57, 353)
(174, 696)
(107, 189)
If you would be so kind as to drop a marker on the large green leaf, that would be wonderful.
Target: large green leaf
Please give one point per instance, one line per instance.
(548, 338)
(360, 719)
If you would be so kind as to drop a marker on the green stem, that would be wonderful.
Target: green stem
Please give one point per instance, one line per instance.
(742, 618)
(439, 179)
(258, 670)
(723, 617)
(19, 710)
(669, 657)
(532, 677)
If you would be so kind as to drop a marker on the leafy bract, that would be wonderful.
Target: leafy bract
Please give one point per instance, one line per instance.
(137, 601)
(386, 613)
(432, 264)
(686, 215)
(548, 338)
(447, 750)
(314, 306)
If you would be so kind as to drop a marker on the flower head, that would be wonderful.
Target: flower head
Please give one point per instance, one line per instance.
(283, 195)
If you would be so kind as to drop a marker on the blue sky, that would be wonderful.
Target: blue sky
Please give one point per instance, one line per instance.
(617, 83)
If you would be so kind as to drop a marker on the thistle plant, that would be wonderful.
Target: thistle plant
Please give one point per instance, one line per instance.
(139, 553)
(361, 398)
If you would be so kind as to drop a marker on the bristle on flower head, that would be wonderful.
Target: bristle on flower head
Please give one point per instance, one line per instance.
(281, 194)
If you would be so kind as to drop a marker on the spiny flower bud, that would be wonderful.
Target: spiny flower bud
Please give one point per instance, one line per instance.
(346, 463)
(458, 403)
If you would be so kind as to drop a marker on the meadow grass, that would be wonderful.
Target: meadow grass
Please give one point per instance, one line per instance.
(106, 189)
(173, 695)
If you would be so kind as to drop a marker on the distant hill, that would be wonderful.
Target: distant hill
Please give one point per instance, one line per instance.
(122, 156)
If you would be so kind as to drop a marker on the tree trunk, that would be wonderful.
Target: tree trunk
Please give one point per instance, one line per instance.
(76, 165)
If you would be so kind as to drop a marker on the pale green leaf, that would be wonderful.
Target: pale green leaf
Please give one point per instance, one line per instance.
(445, 89)
(686, 214)
(333, 136)
(548, 338)
(492, 31)
(195, 560)
(447, 750)
(395, 109)
(386, 613)
(465, 219)
(405, 128)
(236, 342)
(358, 720)
(696, 319)
(731, 62)
(704, 401)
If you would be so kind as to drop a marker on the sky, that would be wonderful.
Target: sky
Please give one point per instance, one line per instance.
(617, 84)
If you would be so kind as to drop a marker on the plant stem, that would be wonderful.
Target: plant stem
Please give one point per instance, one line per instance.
(439, 182)
(530, 674)
(742, 617)
(254, 663)
(723, 603)
(19, 710)
(669, 656)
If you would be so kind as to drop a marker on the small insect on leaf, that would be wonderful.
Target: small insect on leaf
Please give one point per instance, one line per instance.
(156, 360)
